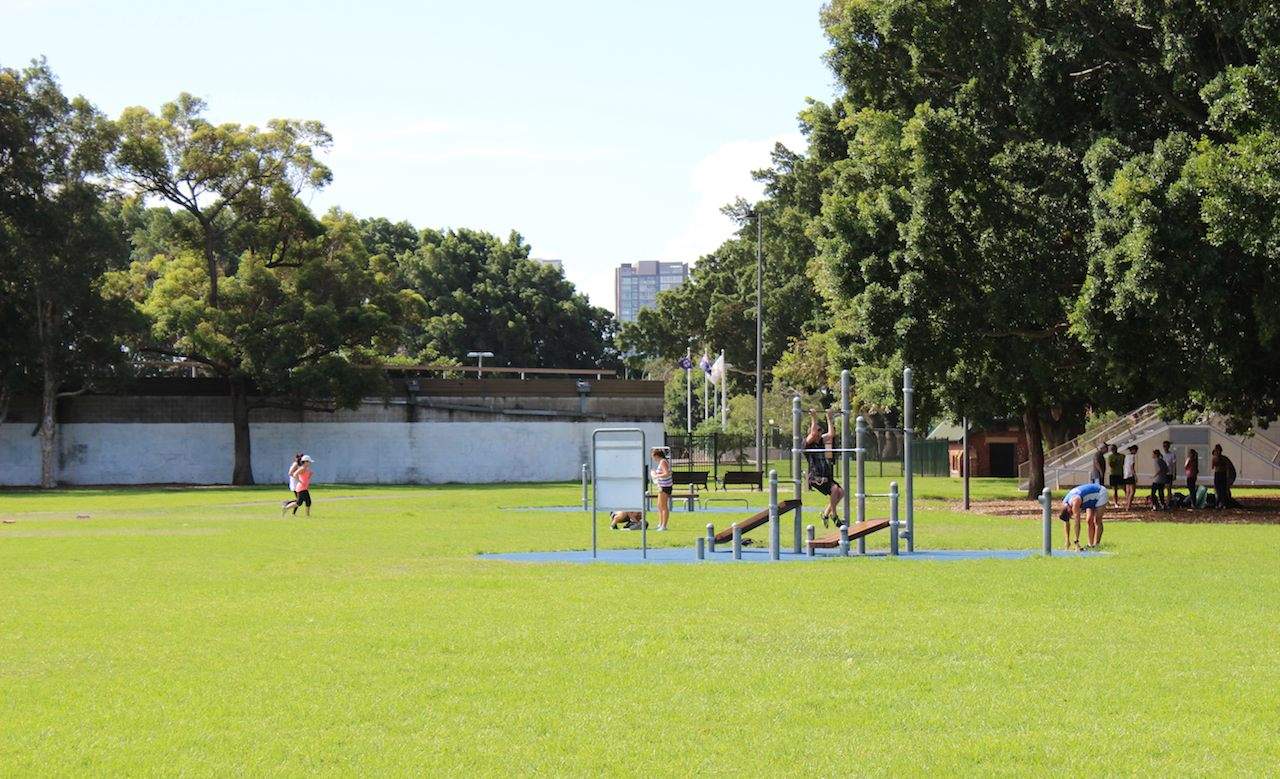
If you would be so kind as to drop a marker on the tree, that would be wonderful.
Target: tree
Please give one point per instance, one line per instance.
(58, 235)
(1002, 206)
(717, 306)
(254, 286)
(482, 293)
(309, 334)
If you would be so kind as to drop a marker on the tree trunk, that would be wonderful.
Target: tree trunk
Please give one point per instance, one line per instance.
(242, 474)
(211, 262)
(1035, 450)
(48, 422)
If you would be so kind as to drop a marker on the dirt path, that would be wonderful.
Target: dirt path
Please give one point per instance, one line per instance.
(1255, 511)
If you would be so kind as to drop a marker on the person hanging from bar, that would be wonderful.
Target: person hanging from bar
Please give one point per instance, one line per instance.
(818, 452)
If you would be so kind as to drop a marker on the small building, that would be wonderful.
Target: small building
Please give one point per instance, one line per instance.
(994, 450)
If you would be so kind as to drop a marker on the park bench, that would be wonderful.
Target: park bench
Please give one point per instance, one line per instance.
(753, 479)
(691, 479)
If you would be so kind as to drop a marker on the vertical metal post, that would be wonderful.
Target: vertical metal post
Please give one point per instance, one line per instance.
(737, 542)
(699, 547)
(724, 393)
(809, 535)
(1046, 498)
(593, 496)
(797, 457)
(775, 533)
(908, 432)
(844, 540)
(861, 444)
(584, 486)
(759, 342)
(893, 518)
(844, 440)
(964, 460)
(688, 391)
(711, 537)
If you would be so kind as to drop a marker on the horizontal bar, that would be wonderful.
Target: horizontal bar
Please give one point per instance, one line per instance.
(824, 451)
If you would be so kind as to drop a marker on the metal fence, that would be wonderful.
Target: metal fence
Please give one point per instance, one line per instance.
(720, 452)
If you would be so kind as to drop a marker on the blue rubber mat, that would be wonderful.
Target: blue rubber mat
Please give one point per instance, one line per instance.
(676, 508)
(760, 555)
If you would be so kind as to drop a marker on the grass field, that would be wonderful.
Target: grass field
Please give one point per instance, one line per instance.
(195, 632)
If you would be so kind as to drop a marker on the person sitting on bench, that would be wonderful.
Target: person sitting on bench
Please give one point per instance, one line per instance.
(821, 472)
(1088, 499)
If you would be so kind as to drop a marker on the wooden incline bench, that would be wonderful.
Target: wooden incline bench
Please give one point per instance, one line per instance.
(856, 531)
(756, 520)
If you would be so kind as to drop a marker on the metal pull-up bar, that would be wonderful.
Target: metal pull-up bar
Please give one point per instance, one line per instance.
(859, 452)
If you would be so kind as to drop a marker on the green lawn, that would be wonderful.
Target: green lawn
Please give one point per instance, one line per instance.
(195, 632)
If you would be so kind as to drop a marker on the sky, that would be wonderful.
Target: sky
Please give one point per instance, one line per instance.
(603, 131)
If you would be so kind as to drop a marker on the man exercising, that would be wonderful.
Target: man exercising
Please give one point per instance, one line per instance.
(821, 472)
(1088, 499)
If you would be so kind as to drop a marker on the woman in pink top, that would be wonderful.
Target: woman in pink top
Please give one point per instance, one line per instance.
(303, 474)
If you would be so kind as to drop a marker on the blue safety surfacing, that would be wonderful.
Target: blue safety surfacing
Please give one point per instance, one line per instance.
(759, 555)
(677, 507)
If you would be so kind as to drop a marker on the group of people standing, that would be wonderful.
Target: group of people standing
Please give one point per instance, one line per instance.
(1121, 471)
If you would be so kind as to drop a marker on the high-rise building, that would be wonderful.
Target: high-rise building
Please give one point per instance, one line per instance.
(557, 264)
(637, 285)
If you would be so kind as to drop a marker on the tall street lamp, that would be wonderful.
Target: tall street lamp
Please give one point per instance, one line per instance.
(754, 214)
(480, 364)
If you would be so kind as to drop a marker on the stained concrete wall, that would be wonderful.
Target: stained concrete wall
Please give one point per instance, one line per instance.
(350, 452)
(457, 435)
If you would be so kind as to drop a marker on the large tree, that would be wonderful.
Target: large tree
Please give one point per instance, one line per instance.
(254, 286)
(484, 293)
(59, 233)
(1003, 205)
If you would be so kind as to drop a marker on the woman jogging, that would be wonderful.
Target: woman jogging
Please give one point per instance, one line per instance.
(662, 477)
(294, 465)
(302, 473)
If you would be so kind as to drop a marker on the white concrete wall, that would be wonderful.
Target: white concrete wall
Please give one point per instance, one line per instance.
(353, 453)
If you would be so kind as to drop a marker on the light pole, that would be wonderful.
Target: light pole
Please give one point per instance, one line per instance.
(759, 339)
(480, 364)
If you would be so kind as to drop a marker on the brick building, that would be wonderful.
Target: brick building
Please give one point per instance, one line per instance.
(994, 450)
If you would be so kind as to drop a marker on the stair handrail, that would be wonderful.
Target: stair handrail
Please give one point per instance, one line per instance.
(1087, 441)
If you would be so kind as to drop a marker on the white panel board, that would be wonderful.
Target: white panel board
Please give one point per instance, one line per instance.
(619, 470)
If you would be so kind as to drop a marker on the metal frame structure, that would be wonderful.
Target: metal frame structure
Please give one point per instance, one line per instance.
(596, 478)
(859, 450)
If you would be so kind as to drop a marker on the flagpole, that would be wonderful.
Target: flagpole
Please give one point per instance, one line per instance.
(688, 391)
(724, 393)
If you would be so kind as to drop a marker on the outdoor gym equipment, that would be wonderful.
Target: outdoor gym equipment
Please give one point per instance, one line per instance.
(619, 470)
(859, 451)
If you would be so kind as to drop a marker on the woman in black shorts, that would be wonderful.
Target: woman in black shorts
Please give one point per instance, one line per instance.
(821, 472)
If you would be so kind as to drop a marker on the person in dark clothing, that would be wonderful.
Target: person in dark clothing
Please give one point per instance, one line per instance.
(1097, 474)
(1224, 475)
(1160, 482)
(818, 453)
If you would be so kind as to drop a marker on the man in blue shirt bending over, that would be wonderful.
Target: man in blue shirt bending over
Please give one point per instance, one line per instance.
(1087, 499)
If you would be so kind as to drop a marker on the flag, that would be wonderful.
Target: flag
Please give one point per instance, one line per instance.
(685, 363)
(717, 370)
(705, 363)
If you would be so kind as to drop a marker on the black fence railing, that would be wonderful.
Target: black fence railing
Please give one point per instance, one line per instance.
(720, 452)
